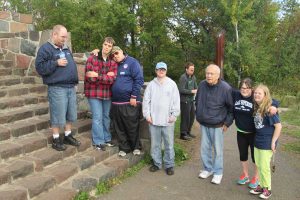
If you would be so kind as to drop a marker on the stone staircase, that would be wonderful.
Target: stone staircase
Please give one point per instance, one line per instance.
(29, 167)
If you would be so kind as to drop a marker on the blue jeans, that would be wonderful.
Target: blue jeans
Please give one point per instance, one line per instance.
(62, 104)
(167, 134)
(212, 160)
(101, 121)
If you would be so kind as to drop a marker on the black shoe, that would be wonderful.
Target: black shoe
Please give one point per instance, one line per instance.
(71, 140)
(153, 168)
(185, 137)
(170, 171)
(101, 147)
(58, 145)
(109, 144)
(191, 135)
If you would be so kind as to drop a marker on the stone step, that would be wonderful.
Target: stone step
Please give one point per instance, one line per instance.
(19, 101)
(14, 80)
(6, 63)
(57, 168)
(37, 156)
(62, 180)
(23, 138)
(21, 89)
(21, 113)
(5, 71)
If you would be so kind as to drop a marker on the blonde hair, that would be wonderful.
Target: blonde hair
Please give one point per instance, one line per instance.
(264, 106)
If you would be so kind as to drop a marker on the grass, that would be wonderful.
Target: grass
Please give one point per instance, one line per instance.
(291, 127)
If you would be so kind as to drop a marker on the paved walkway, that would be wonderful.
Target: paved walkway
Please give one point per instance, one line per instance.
(185, 184)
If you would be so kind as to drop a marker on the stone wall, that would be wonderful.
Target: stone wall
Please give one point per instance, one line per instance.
(19, 42)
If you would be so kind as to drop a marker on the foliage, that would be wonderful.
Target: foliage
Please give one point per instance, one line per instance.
(82, 196)
(262, 36)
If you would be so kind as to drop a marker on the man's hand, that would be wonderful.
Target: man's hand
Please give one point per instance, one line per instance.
(149, 120)
(95, 52)
(224, 128)
(272, 110)
(62, 62)
(194, 91)
(133, 102)
(172, 119)
(110, 74)
(91, 74)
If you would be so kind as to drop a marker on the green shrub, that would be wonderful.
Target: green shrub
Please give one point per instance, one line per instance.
(82, 196)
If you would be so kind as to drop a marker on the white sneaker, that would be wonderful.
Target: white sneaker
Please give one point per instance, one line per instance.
(217, 179)
(205, 174)
(122, 153)
(136, 152)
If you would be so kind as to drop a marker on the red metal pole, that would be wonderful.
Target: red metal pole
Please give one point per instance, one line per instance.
(220, 51)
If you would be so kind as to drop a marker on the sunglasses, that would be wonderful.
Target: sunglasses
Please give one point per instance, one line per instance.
(116, 53)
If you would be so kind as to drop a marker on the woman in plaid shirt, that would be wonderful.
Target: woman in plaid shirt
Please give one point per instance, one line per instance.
(100, 74)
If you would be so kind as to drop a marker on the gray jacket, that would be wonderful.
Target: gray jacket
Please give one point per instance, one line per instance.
(186, 84)
(161, 102)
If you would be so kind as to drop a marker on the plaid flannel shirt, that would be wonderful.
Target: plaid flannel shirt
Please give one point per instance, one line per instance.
(99, 87)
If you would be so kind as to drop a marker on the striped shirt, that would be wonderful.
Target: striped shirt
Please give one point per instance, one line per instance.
(99, 87)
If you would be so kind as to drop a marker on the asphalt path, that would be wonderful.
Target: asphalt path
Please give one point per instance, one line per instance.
(185, 184)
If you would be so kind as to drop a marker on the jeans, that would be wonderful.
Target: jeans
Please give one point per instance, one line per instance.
(62, 104)
(212, 160)
(101, 121)
(167, 134)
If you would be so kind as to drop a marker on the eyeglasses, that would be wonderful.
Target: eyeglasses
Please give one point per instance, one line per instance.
(245, 88)
(161, 69)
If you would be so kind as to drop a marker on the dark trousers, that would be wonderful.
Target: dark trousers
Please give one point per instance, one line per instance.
(187, 117)
(125, 123)
(245, 140)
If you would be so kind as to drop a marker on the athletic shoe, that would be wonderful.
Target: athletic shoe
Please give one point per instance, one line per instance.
(253, 183)
(100, 147)
(109, 144)
(217, 179)
(243, 180)
(266, 194)
(205, 174)
(257, 190)
(136, 152)
(153, 168)
(122, 153)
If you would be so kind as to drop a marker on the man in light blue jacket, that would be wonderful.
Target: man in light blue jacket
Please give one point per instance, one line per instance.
(161, 106)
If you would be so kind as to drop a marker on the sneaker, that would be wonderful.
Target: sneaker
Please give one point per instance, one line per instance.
(205, 174)
(58, 145)
(101, 147)
(217, 179)
(153, 168)
(185, 137)
(122, 153)
(71, 140)
(136, 152)
(243, 180)
(110, 144)
(253, 183)
(257, 190)
(266, 194)
(191, 135)
(170, 171)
